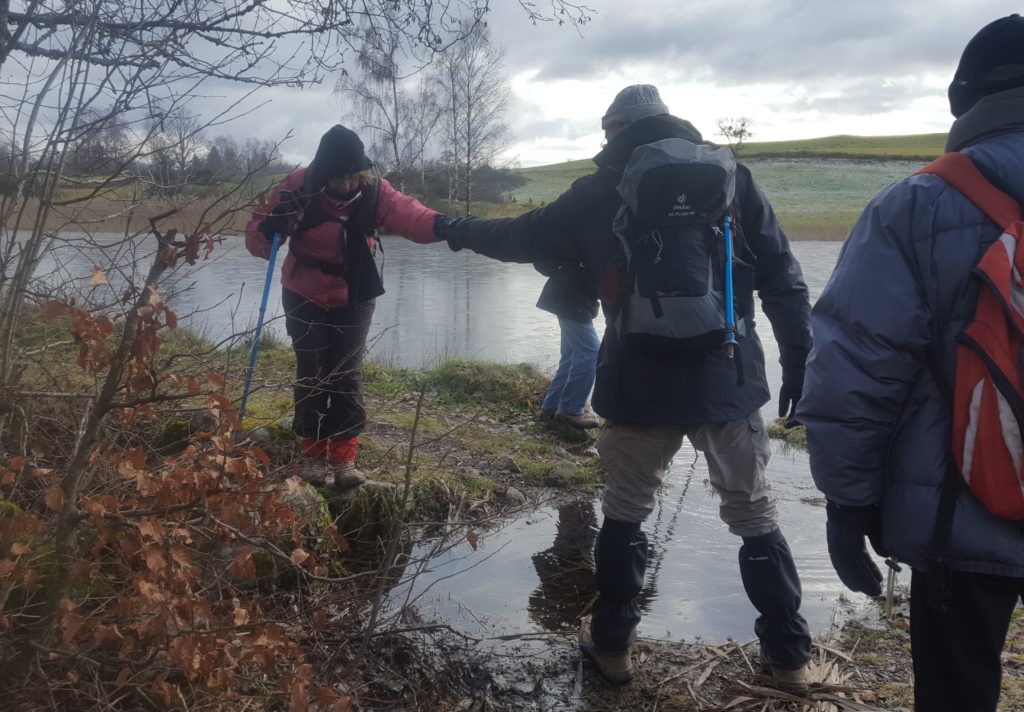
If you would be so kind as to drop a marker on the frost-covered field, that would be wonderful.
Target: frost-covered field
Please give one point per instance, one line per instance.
(824, 193)
(815, 198)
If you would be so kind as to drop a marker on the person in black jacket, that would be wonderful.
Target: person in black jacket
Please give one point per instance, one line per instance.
(650, 402)
(569, 295)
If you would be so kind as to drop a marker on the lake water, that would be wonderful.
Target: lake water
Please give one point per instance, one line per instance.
(523, 577)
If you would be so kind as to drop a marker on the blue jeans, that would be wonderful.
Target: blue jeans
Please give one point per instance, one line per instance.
(574, 379)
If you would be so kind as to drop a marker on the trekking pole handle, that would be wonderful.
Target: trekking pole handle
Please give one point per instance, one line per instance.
(730, 317)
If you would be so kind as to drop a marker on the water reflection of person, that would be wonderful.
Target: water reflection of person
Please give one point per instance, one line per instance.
(566, 568)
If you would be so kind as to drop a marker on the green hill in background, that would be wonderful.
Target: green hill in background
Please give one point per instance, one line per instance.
(817, 186)
(918, 146)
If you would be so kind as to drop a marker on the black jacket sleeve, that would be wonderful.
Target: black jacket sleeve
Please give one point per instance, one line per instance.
(548, 234)
(778, 278)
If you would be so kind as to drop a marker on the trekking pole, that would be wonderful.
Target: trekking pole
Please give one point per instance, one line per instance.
(284, 195)
(730, 317)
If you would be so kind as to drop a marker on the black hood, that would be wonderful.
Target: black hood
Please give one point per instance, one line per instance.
(992, 116)
(654, 128)
(339, 154)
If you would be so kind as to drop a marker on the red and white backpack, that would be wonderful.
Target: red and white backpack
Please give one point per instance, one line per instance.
(988, 394)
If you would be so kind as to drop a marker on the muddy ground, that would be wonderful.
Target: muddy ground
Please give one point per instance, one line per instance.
(863, 664)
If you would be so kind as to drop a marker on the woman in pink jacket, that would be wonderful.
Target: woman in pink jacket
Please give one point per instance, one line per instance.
(330, 212)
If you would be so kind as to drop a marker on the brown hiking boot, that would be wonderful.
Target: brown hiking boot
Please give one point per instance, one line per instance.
(546, 415)
(792, 681)
(576, 420)
(346, 476)
(614, 667)
(313, 472)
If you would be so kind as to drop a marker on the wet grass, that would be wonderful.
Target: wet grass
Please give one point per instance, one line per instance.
(503, 387)
(795, 437)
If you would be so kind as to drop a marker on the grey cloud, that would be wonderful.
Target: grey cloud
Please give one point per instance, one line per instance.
(750, 42)
(857, 99)
(839, 56)
(548, 129)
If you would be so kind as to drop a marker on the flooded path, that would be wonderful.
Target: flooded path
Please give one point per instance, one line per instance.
(529, 575)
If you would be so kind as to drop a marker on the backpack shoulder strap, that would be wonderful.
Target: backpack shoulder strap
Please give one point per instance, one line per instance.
(960, 172)
(364, 221)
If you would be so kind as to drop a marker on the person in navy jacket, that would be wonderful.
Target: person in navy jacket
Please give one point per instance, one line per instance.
(878, 387)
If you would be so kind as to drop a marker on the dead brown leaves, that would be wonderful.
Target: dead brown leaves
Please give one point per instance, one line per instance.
(143, 605)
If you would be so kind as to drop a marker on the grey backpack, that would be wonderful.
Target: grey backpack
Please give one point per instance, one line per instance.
(672, 227)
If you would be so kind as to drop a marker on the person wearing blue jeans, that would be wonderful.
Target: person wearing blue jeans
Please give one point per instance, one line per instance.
(569, 296)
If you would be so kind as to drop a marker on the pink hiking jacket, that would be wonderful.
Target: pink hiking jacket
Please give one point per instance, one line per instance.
(397, 214)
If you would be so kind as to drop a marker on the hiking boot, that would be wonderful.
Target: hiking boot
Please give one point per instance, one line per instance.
(314, 472)
(792, 681)
(546, 415)
(614, 667)
(346, 476)
(576, 420)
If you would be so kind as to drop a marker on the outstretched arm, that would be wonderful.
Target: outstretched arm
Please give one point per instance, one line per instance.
(400, 214)
(544, 234)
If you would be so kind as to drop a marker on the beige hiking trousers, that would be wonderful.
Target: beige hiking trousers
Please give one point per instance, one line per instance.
(637, 456)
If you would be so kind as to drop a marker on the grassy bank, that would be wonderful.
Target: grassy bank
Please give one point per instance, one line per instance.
(862, 664)
(224, 578)
(231, 584)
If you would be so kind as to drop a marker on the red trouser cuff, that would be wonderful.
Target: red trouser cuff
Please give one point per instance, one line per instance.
(312, 447)
(343, 450)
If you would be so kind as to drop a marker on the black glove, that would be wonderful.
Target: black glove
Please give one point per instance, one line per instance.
(845, 531)
(789, 396)
(444, 229)
(280, 219)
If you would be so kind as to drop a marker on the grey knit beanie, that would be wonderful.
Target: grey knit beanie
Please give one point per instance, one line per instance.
(635, 102)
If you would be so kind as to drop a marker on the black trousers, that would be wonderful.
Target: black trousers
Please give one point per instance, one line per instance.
(329, 346)
(958, 626)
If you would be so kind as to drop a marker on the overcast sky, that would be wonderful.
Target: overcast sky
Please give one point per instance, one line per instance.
(798, 68)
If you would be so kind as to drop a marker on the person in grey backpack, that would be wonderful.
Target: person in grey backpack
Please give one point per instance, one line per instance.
(651, 400)
(879, 390)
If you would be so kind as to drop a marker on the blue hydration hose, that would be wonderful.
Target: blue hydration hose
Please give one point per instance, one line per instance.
(730, 317)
